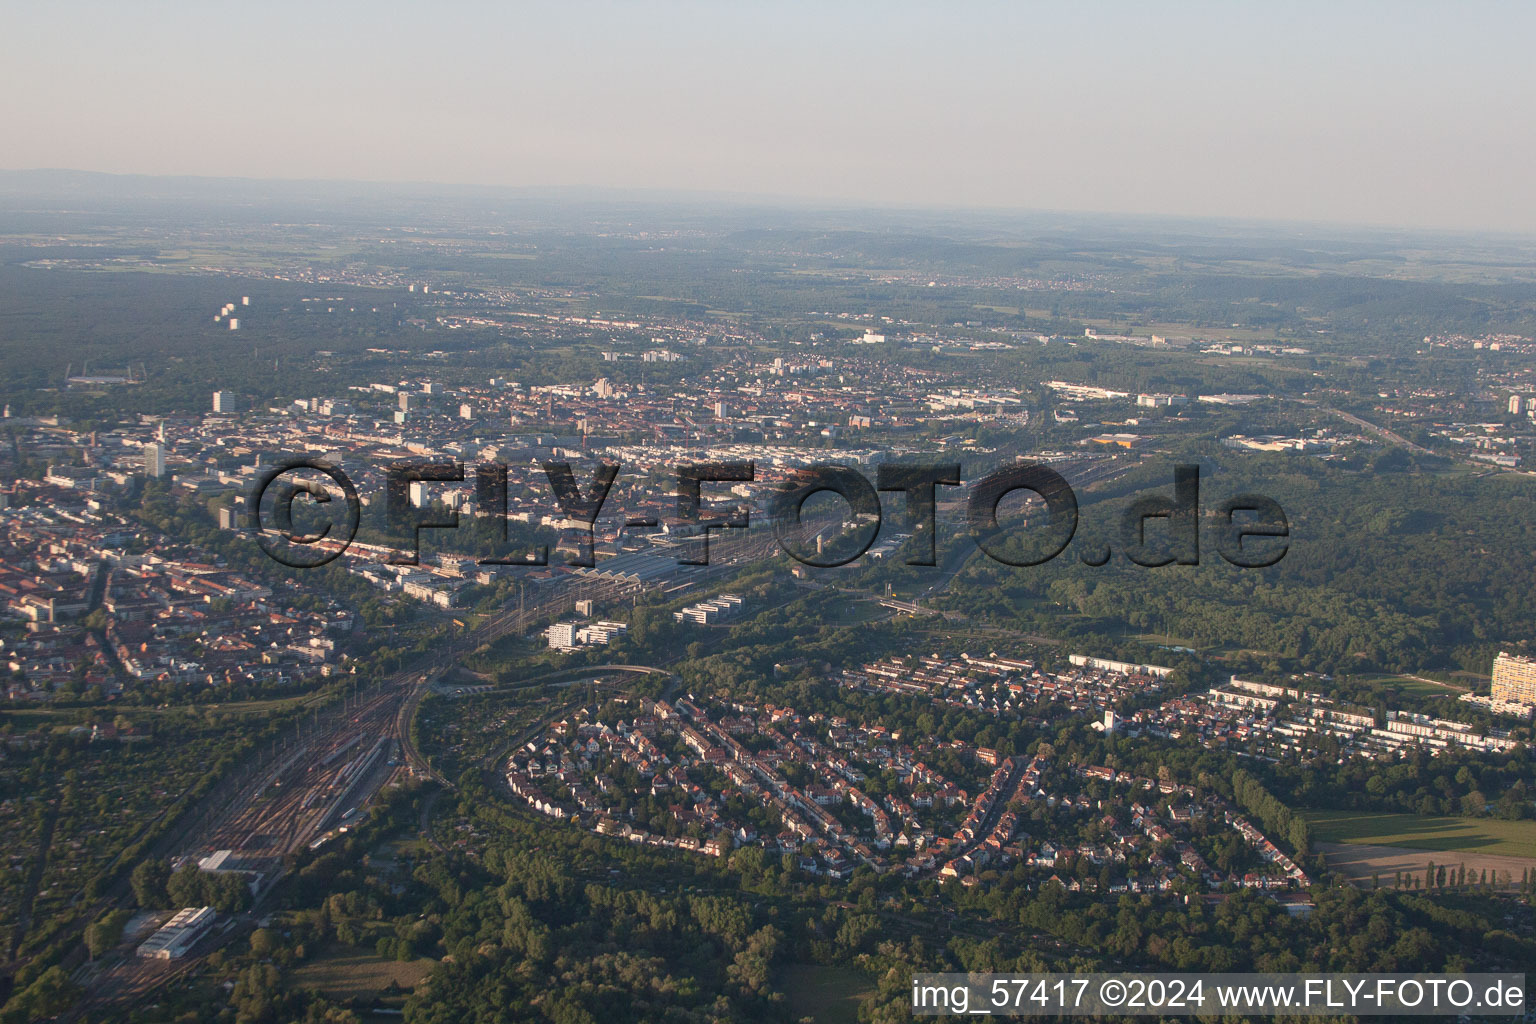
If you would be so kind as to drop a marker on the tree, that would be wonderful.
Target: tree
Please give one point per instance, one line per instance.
(186, 886)
(149, 883)
(255, 994)
(46, 997)
(264, 942)
(105, 932)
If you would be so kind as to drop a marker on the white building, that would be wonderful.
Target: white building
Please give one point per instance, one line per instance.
(154, 460)
(179, 934)
(706, 612)
(567, 636)
(599, 633)
(1125, 668)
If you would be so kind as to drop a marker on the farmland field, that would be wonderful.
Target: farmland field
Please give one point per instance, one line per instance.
(1382, 865)
(1445, 834)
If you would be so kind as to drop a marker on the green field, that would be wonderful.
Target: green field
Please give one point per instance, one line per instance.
(827, 995)
(1168, 640)
(1463, 835)
(345, 973)
(1419, 687)
(856, 613)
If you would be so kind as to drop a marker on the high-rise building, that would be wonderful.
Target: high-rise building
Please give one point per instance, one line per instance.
(154, 460)
(1516, 404)
(562, 635)
(1514, 679)
(224, 401)
(421, 495)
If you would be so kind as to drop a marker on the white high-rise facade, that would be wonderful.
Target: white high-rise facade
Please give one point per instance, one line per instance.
(154, 460)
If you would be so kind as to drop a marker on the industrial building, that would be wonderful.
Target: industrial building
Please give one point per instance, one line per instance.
(179, 934)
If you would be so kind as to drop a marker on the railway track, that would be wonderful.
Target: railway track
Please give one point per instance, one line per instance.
(300, 787)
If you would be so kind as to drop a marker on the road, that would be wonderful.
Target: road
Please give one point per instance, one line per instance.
(1369, 427)
(994, 813)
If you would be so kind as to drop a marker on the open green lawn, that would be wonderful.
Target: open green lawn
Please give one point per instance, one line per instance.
(343, 972)
(856, 613)
(1425, 688)
(827, 995)
(1168, 640)
(1419, 686)
(1465, 835)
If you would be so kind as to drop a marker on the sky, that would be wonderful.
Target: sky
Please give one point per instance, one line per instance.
(1400, 114)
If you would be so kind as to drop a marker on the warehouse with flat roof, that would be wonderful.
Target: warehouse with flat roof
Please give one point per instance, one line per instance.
(179, 934)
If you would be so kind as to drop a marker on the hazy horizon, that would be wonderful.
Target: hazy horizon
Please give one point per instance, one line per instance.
(722, 202)
(1402, 116)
